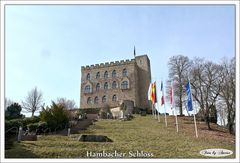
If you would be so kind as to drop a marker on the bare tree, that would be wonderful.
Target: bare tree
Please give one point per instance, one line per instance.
(206, 79)
(67, 104)
(228, 91)
(33, 101)
(222, 111)
(178, 72)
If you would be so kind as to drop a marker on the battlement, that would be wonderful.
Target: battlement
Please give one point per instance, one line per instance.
(108, 64)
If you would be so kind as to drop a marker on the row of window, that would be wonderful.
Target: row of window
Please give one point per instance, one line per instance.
(124, 85)
(104, 99)
(114, 74)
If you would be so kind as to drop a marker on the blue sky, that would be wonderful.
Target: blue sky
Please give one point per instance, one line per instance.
(46, 45)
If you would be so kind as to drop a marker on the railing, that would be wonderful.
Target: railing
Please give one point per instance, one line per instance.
(16, 128)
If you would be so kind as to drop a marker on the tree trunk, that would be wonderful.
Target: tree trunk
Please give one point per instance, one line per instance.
(32, 113)
(231, 127)
(180, 105)
(207, 118)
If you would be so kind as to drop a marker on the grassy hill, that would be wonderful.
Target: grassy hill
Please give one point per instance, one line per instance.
(142, 134)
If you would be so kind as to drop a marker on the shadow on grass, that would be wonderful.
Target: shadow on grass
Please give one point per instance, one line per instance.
(19, 151)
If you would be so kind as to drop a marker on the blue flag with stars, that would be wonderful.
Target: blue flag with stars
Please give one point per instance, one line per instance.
(189, 100)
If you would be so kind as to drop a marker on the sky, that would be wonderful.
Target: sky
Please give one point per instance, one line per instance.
(46, 45)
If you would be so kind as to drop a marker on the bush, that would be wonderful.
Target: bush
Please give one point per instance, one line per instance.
(55, 116)
(42, 125)
(29, 120)
(89, 111)
(12, 123)
(32, 127)
(13, 111)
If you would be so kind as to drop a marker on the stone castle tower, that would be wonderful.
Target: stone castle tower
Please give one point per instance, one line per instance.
(109, 83)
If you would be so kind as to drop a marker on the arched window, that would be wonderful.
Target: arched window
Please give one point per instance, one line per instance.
(114, 85)
(88, 76)
(87, 89)
(89, 100)
(125, 73)
(96, 100)
(104, 99)
(124, 85)
(105, 74)
(105, 85)
(114, 98)
(114, 74)
(98, 87)
(98, 75)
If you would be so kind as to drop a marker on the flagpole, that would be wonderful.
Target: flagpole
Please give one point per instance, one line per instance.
(158, 112)
(165, 115)
(164, 107)
(195, 124)
(173, 106)
(176, 119)
(155, 112)
(152, 111)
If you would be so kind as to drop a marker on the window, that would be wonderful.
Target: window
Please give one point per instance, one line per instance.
(105, 74)
(98, 75)
(87, 89)
(104, 99)
(124, 85)
(89, 100)
(88, 76)
(114, 98)
(98, 87)
(114, 74)
(125, 73)
(96, 100)
(105, 85)
(114, 85)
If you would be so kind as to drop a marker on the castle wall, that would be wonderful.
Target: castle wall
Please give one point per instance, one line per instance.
(121, 94)
(137, 79)
(144, 74)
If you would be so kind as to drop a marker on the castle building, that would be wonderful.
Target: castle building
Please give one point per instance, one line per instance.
(106, 84)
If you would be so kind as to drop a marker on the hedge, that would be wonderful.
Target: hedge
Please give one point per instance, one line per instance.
(32, 127)
(20, 122)
(89, 110)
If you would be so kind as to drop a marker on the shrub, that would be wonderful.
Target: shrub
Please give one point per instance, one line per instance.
(13, 111)
(12, 123)
(42, 125)
(29, 120)
(55, 116)
(89, 110)
(32, 127)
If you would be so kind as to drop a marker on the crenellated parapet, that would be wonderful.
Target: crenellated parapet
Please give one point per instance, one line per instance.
(108, 64)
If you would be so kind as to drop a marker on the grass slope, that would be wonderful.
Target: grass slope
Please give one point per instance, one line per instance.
(140, 134)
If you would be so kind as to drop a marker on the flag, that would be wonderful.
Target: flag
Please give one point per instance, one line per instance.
(189, 95)
(162, 98)
(154, 93)
(150, 92)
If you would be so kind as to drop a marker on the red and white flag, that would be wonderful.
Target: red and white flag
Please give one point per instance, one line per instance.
(162, 92)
